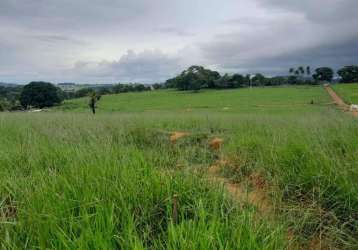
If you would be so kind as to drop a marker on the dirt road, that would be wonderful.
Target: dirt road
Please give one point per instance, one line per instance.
(338, 100)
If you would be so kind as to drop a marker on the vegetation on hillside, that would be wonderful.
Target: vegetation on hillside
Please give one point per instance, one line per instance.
(197, 77)
(194, 78)
(9, 97)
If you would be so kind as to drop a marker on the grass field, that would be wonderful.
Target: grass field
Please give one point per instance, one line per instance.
(243, 101)
(349, 92)
(69, 179)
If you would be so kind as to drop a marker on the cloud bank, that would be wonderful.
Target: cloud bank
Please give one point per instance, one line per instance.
(104, 41)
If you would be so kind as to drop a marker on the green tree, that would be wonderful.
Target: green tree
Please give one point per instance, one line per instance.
(83, 92)
(237, 81)
(258, 80)
(323, 74)
(40, 95)
(308, 71)
(194, 78)
(349, 74)
(301, 70)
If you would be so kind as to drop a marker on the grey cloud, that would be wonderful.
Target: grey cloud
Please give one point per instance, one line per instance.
(147, 66)
(44, 38)
(57, 39)
(295, 35)
(330, 55)
(326, 11)
(174, 31)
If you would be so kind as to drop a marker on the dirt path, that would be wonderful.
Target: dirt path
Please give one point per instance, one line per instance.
(252, 191)
(338, 100)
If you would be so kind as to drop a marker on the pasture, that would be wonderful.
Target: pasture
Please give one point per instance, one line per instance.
(285, 176)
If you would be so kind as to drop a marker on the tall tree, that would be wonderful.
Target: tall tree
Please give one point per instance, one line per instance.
(195, 78)
(301, 70)
(323, 74)
(349, 74)
(308, 70)
(40, 95)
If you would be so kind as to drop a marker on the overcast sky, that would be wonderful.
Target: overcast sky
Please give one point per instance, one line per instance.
(106, 41)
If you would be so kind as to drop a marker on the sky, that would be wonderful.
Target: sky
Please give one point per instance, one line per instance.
(111, 41)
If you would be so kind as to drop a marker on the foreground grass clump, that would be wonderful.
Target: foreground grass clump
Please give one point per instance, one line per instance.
(313, 163)
(84, 183)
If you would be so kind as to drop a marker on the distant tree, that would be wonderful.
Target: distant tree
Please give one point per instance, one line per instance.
(230, 81)
(10, 93)
(308, 71)
(4, 105)
(104, 90)
(349, 74)
(292, 70)
(158, 86)
(223, 82)
(140, 87)
(276, 81)
(133, 87)
(194, 78)
(323, 74)
(83, 92)
(301, 70)
(258, 80)
(293, 80)
(247, 80)
(237, 81)
(40, 95)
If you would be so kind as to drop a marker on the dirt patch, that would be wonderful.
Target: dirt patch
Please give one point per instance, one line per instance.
(175, 136)
(216, 143)
(252, 191)
(318, 243)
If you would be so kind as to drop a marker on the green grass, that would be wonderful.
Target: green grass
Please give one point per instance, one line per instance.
(349, 92)
(108, 181)
(273, 100)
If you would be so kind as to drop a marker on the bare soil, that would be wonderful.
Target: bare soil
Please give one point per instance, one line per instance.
(177, 135)
(252, 191)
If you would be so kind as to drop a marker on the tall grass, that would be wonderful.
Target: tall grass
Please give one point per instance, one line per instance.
(83, 182)
(73, 180)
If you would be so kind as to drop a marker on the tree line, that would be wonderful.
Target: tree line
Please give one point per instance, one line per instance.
(44, 94)
(198, 77)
